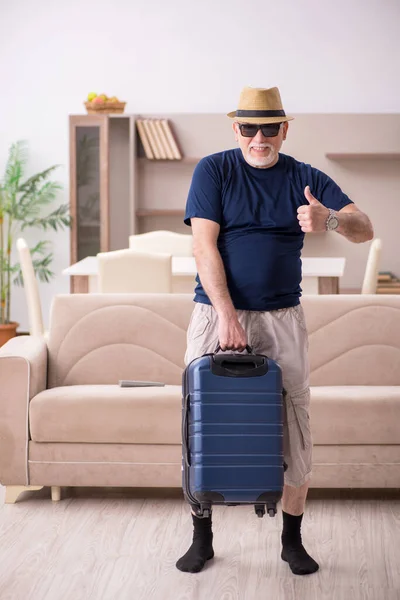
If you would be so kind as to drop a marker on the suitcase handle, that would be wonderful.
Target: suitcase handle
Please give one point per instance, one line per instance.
(185, 430)
(238, 364)
(248, 348)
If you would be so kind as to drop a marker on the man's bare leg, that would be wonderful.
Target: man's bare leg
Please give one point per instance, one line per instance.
(294, 499)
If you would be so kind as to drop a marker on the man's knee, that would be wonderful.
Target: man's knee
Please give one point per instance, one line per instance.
(299, 484)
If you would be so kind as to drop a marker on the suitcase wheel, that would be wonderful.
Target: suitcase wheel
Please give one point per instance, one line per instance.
(204, 511)
(271, 512)
(271, 508)
(260, 510)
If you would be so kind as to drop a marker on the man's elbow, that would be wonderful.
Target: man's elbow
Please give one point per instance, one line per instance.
(370, 232)
(367, 232)
(202, 248)
(366, 236)
(197, 249)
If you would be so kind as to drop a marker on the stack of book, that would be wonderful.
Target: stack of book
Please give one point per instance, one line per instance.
(388, 283)
(158, 140)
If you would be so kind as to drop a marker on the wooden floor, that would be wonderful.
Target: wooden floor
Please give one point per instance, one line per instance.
(116, 545)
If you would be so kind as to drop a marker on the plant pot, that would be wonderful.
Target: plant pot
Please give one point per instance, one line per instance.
(7, 332)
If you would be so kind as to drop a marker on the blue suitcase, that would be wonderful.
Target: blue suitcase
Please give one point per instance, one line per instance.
(232, 432)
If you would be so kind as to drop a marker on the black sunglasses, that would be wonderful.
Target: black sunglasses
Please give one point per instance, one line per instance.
(251, 129)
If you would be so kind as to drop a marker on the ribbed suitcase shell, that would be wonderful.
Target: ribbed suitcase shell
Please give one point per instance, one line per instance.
(232, 432)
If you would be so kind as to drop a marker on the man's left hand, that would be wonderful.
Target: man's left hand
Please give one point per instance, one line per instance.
(312, 216)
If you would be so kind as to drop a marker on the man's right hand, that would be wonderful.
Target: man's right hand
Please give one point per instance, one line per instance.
(231, 334)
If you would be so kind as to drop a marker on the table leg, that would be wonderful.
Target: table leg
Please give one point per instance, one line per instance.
(328, 285)
(79, 284)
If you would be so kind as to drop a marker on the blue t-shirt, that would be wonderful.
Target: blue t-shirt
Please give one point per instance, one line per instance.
(260, 238)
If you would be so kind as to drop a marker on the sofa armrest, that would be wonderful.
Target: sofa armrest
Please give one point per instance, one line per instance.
(23, 374)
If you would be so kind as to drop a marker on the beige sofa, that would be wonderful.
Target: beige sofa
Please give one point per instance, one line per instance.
(64, 421)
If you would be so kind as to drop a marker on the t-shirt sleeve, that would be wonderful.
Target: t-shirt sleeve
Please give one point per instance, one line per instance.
(328, 192)
(204, 198)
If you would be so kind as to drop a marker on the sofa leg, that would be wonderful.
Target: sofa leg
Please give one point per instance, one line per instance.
(13, 491)
(55, 493)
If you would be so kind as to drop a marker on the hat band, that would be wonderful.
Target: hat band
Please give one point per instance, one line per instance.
(260, 113)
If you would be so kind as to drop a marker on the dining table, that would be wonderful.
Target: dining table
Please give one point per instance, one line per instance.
(320, 275)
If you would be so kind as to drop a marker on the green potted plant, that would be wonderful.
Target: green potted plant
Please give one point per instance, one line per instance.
(21, 204)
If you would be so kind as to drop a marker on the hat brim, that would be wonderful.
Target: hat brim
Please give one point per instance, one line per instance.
(261, 120)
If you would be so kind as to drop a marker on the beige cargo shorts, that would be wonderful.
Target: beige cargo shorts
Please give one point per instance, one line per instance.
(282, 336)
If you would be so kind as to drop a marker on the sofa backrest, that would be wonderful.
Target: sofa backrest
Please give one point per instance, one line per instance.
(101, 338)
(353, 339)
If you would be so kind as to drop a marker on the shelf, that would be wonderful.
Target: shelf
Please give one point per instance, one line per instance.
(160, 213)
(185, 161)
(362, 155)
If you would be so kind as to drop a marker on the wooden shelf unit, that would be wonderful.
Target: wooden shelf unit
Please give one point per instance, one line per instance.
(117, 189)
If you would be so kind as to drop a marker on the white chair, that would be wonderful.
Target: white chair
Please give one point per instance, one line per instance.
(169, 242)
(31, 288)
(370, 282)
(129, 271)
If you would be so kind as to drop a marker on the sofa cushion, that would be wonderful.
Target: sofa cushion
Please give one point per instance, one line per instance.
(110, 414)
(355, 414)
(107, 414)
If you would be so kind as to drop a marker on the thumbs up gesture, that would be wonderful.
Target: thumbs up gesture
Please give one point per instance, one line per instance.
(312, 216)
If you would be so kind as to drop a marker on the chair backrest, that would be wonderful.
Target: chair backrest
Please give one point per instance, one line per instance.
(31, 287)
(370, 282)
(168, 242)
(129, 271)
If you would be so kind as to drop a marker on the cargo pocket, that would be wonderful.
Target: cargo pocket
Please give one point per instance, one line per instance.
(198, 322)
(299, 407)
(198, 333)
(299, 316)
(199, 326)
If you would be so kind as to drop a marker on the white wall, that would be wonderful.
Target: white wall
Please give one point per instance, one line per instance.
(183, 56)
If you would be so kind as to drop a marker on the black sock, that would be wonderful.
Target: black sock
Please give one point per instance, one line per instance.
(201, 549)
(293, 550)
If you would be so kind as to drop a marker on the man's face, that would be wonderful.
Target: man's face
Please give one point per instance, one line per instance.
(261, 151)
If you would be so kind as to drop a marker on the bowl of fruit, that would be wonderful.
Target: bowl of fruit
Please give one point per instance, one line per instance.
(103, 104)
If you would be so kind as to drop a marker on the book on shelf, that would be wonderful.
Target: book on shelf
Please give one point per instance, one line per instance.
(386, 276)
(144, 139)
(158, 140)
(393, 281)
(163, 140)
(156, 137)
(151, 138)
(171, 139)
(388, 283)
(392, 289)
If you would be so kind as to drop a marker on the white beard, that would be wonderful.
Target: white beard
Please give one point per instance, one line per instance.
(262, 161)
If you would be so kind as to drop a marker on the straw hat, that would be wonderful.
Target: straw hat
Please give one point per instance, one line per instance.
(259, 105)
